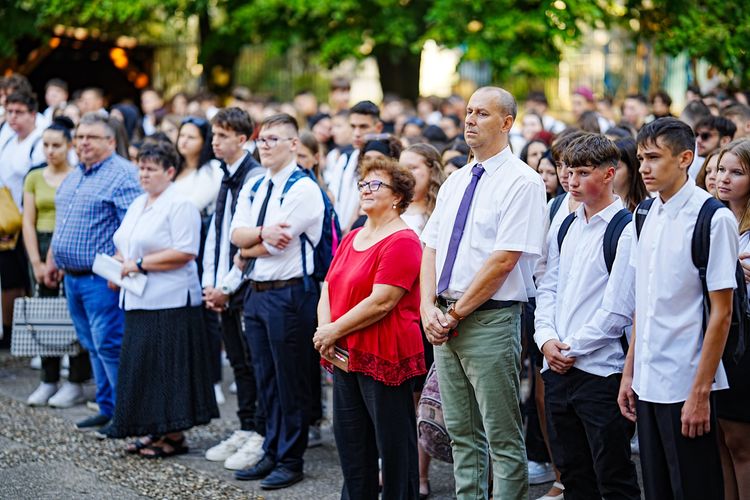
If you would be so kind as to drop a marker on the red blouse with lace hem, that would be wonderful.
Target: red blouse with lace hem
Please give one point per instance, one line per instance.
(389, 350)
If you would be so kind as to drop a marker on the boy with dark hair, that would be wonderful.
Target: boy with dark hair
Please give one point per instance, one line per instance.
(674, 363)
(740, 116)
(231, 128)
(55, 95)
(583, 306)
(712, 133)
(364, 119)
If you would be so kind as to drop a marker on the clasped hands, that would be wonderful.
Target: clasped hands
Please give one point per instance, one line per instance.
(325, 339)
(437, 325)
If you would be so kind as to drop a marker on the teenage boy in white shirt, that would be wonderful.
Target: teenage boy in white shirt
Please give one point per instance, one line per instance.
(673, 365)
(582, 310)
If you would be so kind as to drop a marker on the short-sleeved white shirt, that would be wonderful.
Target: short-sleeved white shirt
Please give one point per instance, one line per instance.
(170, 222)
(302, 209)
(202, 186)
(507, 213)
(669, 296)
(17, 158)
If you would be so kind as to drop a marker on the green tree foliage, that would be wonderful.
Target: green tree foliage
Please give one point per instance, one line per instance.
(715, 30)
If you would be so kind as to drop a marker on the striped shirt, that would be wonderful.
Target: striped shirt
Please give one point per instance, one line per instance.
(90, 207)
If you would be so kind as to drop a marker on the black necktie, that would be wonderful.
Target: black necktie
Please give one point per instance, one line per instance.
(233, 184)
(261, 217)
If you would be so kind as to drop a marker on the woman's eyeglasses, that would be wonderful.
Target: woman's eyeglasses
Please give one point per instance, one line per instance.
(371, 186)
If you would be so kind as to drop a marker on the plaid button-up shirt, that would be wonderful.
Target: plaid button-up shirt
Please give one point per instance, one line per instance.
(90, 207)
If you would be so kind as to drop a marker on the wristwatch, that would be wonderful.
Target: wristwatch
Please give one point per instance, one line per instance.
(452, 311)
(139, 265)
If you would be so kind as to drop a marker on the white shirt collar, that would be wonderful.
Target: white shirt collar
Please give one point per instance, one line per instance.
(605, 214)
(678, 201)
(493, 164)
(234, 166)
(280, 177)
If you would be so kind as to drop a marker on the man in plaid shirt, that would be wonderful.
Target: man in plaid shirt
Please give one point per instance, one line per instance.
(91, 202)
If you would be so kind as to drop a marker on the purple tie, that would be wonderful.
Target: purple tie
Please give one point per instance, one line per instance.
(458, 228)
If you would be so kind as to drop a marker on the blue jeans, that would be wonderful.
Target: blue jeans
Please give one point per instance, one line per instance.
(99, 323)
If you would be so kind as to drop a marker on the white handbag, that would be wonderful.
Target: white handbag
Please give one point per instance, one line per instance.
(42, 327)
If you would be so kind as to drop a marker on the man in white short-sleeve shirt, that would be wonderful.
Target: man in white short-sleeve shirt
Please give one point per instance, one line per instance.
(489, 217)
(672, 365)
(273, 215)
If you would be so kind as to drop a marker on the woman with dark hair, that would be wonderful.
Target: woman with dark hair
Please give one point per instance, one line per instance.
(130, 117)
(164, 385)
(39, 188)
(369, 308)
(200, 177)
(308, 157)
(548, 171)
(706, 178)
(589, 122)
(532, 153)
(628, 184)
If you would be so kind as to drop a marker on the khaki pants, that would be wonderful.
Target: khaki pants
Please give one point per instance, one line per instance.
(478, 371)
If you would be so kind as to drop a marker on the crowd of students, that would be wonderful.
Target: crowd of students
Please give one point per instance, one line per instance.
(283, 234)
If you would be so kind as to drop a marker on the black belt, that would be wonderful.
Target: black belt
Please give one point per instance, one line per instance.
(263, 286)
(487, 306)
(70, 272)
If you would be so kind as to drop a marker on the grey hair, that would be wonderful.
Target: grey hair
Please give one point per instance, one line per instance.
(95, 118)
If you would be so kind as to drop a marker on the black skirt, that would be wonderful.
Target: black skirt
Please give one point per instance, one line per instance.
(164, 381)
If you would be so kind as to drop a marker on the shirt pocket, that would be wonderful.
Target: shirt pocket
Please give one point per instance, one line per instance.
(483, 229)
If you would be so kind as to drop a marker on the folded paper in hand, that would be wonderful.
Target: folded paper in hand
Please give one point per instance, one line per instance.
(110, 269)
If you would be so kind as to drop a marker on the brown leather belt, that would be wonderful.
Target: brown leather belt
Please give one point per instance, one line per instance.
(487, 306)
(264, 286)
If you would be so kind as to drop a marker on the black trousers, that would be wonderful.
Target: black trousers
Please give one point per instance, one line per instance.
(249, 410)
(279, 326)
(675, 466)
(589, 437)
(374, 420)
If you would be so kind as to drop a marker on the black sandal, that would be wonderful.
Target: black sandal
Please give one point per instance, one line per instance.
(135, 447)
(178, 448)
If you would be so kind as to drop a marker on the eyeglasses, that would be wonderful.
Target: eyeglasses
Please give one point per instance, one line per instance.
(705, 135)
(371, 186)
(272, 141)
(194, 120)
(84, 138)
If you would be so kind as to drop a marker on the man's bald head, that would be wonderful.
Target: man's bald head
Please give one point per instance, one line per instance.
(504, 99)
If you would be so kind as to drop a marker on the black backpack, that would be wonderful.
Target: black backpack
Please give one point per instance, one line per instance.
(555, 206)
(700, 245)
(609, 245)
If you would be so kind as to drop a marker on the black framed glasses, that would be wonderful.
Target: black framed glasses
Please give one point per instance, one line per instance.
(371, 186)
(272, 141)
(705, 135)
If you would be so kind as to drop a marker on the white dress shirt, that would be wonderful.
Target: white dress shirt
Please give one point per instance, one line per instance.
(170, 222)
(214, 272)
(669, 296)
(550, 234)
(17, 158)
(202, 186)
(506, 213)
(579, 303)
(302, 209)
(343, 186)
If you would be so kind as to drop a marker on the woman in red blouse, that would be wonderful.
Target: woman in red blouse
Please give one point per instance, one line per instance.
(369, 307)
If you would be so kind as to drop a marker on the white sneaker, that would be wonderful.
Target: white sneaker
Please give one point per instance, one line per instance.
(247, 456)
(41, 395)
(36, 363)
(228, 447)
(70, 394)
(540, 473)
(233, 388)
(561, 496)
(219, 395)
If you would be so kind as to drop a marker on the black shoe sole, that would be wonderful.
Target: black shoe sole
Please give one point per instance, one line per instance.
(281, 485)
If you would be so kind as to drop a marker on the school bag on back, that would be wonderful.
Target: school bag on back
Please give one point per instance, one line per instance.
(330, 236)
(739, 330)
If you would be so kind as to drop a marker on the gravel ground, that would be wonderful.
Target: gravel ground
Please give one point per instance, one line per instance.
(42, 456)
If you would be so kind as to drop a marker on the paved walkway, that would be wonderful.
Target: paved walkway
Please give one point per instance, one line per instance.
(42, 456)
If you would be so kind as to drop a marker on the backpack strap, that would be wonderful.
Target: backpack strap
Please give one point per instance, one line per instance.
(556, 203)
(612, 236)
(564, 229)
(700, 246)
(296, 175)
(255, 188)
(641, 211)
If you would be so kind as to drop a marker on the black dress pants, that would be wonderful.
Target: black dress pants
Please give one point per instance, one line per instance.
(374, 420)
(675, 466)
(589, 437)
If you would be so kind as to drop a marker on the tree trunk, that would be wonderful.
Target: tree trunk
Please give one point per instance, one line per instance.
(399, 74)
(216, 50)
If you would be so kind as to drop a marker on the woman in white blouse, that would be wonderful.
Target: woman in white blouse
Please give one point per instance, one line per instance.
(164, 384)
(199, 178)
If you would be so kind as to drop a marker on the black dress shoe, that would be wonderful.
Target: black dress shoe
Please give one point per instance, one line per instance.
(93, 423)
(281, 478)
(257, 471)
